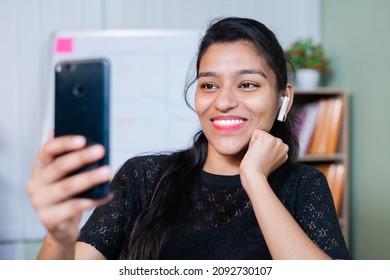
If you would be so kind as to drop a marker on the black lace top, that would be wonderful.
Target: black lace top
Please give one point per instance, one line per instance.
(221, 223)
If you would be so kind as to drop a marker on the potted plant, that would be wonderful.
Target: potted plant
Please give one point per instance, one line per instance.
(308, 60)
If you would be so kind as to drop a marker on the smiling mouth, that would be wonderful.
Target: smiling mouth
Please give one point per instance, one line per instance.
(228, 124)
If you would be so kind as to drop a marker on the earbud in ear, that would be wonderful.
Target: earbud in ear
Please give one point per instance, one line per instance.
(282, 113)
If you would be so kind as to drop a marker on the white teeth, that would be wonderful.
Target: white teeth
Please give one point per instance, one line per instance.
(227, 122)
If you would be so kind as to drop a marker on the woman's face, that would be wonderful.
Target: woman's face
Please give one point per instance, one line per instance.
(235, 95)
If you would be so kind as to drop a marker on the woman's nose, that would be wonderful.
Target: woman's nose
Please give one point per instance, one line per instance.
(226, 100)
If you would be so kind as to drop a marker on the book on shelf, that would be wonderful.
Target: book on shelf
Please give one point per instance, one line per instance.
(335, 124)
(306, 123)
(319, 126)
(324, 133)
(335, 174)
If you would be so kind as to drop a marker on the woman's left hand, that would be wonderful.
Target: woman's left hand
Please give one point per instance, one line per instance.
(265, 153)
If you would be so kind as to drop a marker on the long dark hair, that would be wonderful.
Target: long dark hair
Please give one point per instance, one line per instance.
(170, 201)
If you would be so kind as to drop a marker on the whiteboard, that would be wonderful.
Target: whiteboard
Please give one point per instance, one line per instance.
(147, 77)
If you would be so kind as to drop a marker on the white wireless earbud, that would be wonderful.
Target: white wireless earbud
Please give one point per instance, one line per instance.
(282, 113)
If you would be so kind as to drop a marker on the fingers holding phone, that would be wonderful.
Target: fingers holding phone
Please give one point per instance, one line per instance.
(61, 157)
(52, 191)
(55, 147)
(53, 179)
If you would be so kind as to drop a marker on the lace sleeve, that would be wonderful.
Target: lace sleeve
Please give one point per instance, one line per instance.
(132, 188)
(104, 228)
(317, 216)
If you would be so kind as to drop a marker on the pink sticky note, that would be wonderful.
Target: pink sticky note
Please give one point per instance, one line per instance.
(64, 45)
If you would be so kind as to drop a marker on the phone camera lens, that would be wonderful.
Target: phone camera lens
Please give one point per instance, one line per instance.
(67, 67)
(78, 91)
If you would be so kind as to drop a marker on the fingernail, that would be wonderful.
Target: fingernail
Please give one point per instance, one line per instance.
(104, 171)
(96, 150)
(78, 140)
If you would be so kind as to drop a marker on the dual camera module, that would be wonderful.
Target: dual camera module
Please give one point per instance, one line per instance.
(77, 90)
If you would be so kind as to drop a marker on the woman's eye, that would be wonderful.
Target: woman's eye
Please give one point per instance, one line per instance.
(248, 85)
(208, 86)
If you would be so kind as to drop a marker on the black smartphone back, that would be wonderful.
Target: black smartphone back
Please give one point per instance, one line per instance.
(82, 107)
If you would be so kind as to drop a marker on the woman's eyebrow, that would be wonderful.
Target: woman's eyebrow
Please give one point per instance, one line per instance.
(207, 74)
(235, 74)
(250, 71)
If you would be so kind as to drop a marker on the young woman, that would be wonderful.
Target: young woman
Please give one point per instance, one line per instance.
(235, 194)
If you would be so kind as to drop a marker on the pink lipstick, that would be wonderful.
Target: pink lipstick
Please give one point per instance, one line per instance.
(228, 123)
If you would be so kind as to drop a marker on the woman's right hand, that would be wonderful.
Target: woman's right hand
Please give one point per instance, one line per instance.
(52, 192)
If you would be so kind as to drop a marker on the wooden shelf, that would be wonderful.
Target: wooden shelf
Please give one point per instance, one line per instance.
(309, 158)
(341, 156)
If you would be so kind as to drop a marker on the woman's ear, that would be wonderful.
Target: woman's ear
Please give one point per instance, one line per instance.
(286, 102)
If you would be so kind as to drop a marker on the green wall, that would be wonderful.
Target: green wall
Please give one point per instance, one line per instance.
(356, 36)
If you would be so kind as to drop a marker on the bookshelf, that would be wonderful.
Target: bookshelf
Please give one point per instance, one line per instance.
(327, 151)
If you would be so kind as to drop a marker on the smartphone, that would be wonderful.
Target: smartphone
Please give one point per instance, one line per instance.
(82, 107)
